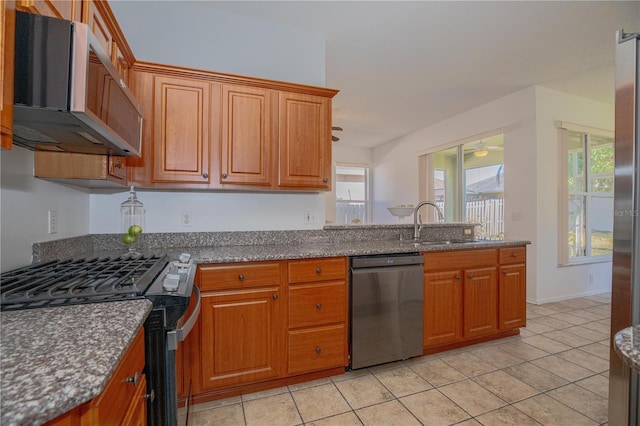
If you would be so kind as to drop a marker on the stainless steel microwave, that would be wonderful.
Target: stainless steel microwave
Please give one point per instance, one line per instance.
(68, 95)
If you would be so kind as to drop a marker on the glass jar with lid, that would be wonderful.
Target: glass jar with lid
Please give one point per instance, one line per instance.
(132, 223)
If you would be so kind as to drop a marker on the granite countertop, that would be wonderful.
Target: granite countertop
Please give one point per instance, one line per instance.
(627, 345)
(54, 359)
(253, 253)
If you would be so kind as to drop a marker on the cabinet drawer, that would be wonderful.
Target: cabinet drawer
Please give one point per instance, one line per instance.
(111, 405)
(317, 270)
(459, 259)
(317, 304)
(512, 255)
(317, 348)
(236, 275)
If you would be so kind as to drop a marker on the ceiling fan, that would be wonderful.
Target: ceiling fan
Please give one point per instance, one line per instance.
(481, 149)
(335, 138)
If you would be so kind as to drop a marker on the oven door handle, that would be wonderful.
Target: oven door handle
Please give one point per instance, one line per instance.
(179, 334)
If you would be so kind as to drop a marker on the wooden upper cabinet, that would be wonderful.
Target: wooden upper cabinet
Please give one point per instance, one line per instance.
(61, 9)
(7, 49)
(247, 139)
(304, 141)
(181, 130)
(97, 22)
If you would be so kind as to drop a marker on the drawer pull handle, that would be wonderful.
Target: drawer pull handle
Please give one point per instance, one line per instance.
(275, 296)
(458, 277)
(135, 379)
(241, 277)
(318, 349)
(318, 270)
(151, 396)
(318, 305)
(514, 254)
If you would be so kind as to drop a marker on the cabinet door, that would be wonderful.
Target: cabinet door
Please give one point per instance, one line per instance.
(61, 9)
(304, 141)
(181, 130)
(512, 297)
(247, 146)
(94, 18)
(242, 338)
(7, 49)
(442, 307)
(480, 293)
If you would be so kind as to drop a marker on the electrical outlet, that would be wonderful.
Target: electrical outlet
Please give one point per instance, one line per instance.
(467, 231)
(53, 221)
(516, 216)
(187, 219)
(309, 218)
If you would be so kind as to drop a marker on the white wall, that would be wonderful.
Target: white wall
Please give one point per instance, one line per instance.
(556, 282)
(211, 211)
(195, 34)
(527, 119)
(24, 205)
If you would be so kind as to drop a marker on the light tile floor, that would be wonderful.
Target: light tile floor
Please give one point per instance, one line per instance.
(555, 373)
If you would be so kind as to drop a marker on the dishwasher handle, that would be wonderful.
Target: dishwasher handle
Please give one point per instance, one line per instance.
(179, 334)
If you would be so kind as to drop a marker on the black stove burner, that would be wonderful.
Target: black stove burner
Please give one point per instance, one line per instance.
(69, 282)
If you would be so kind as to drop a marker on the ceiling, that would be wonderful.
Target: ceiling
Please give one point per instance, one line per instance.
(401, 66)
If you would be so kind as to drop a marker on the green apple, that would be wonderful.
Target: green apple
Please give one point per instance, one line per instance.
(135, 230)
(128, 238)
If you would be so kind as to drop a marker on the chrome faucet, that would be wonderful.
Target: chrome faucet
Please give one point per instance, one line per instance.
(416, 228)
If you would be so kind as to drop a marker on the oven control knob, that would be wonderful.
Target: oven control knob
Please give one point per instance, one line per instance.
(171, 282)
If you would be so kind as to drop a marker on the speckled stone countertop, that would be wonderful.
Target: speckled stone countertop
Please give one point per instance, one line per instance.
(312, 250)
(627, 345)
(54, 359)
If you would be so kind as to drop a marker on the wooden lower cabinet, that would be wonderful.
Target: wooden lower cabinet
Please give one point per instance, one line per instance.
(442, 319)
(123, 400)
(480, 302)
(473, 294)
(316, 348)
(241, 336)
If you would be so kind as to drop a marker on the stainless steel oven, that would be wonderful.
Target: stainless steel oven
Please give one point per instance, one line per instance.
(168, 284)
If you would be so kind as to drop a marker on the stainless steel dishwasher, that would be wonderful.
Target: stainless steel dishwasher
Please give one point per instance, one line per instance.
(386, 308)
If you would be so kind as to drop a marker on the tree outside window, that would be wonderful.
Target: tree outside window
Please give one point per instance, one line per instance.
(589, 192)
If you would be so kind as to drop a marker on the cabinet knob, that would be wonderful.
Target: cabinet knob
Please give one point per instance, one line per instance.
(318, 305)
(151, 396)
(241, 277)
(224, 176)
(325, 180)
(318, 270)
(318, 349)
(470, 276)
(514, 254)
(117, 165)
(135, 379)
(458, 277)
(275, 296)
(205, 175)
(505, 272)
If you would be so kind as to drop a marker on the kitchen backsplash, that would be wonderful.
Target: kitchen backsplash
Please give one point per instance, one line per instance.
(88, 245)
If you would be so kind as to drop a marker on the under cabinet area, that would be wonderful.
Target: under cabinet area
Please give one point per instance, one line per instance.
(472, 295)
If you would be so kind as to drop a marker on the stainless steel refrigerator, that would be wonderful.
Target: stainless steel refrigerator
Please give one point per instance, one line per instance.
(625, 291)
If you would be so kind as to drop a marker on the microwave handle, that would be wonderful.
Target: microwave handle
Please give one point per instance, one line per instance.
(179, 334)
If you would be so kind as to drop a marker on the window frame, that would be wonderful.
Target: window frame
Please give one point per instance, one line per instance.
(563, 193)
(367, 190)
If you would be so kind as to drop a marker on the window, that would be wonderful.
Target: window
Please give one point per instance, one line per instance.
(587, 195)
(352, 194)
(467, 183)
